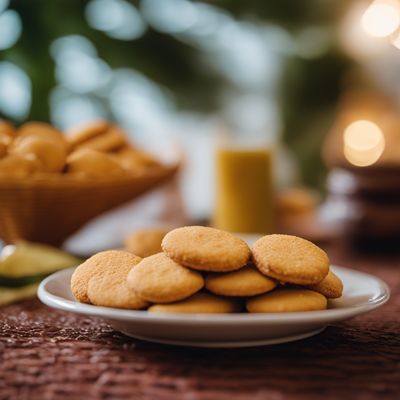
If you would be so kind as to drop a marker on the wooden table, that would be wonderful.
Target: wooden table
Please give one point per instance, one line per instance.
(46, 354)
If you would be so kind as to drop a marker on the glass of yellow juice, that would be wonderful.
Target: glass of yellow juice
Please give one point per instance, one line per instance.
(244, 188)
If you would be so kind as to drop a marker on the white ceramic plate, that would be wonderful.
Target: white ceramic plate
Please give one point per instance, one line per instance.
(362, 293)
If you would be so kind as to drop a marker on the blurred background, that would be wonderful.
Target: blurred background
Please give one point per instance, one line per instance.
(298, 73)
(276, 116)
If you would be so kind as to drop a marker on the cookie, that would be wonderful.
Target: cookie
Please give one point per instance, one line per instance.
(134, 160)
(50, 153)
(145, 242)
(111, 140)
(296, 201)
(40, 130)
(96, 266)
(5, 141)
(7, 134)
(159, 279)
(20, 166)
(7, 129)
(246, 281)
(290, 259)
(287, 300)
(201, 303)
(206, 249)
(331, 286)
(91, 163)
(110, 289)
(86, 131)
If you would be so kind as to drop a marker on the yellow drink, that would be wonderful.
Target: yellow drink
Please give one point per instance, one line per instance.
(244, 193)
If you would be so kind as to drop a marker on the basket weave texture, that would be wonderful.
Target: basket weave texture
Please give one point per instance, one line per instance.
(50, 209)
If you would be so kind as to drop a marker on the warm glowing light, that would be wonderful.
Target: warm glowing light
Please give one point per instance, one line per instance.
(396, 41)
(363, 142)
(381, 18)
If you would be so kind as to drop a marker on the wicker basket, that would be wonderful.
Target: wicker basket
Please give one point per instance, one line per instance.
(50, 209)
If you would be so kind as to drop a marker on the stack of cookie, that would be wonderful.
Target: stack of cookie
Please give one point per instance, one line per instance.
(53, 183)
(100, 148)
(34, 148)
(206, 270)
(92, 150)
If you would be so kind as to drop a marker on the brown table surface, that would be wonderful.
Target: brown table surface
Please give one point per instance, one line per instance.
(47, 354)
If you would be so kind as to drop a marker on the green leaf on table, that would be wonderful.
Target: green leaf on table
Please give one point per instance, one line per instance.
(26, 259)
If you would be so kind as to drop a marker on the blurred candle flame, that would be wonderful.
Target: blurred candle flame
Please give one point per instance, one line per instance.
(363, 142)
(381, 18)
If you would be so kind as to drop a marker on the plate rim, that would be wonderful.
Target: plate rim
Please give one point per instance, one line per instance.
(322, 316)
(230, 344)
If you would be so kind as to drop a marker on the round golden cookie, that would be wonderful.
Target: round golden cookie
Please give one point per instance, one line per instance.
(110, 289)
(200, 303)
(111, 140)
(91, 163)
(50, 153)
(40, 130)
(296, 201)
(206, 249)
(86, 131)
(331, 286)
(145, 242)
(290, 259)
(5, 141)
(97, 266)
(7, 128)
(134, 160)
(20, 166)
(159, 279)
(287, 300)
(246, 281)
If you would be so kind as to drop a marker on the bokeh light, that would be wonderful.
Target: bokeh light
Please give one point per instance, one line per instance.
(208, 20)
(381, 18)
(239, 53)
(363, 142)
(15, 93)
(10, 28)
(252, 113)
(4, 4)
(396, 40)
(353, 38)
(170, 16)
(68, 109)
(70, 46)
(117, 18)
(77, 66)
(138, 102)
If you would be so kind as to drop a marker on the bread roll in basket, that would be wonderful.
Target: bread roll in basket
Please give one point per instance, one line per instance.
(49, 210)
(49, 207)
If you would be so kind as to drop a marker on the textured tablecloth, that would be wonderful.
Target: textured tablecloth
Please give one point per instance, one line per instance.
(46, 354)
